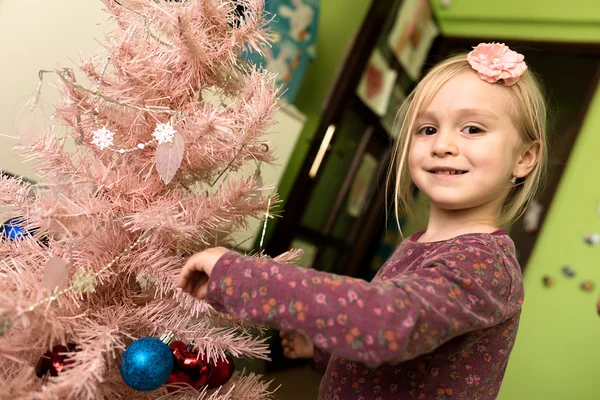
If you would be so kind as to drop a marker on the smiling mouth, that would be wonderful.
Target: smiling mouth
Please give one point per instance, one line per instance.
(446, 172)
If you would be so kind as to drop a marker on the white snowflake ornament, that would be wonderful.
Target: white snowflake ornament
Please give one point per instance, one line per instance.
(102, 137)
(164, 133)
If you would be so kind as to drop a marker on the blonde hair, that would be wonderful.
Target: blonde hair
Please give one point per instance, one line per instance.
(530, 118)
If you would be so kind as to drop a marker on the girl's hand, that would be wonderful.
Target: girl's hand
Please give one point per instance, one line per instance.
(196, 271)
(296, 345)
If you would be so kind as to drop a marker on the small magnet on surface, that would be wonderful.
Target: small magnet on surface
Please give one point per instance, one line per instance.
(592, 239)
(548, 281)
(587, 286)
(568, 271)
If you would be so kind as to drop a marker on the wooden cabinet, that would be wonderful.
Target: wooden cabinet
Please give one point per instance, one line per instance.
(350, 139)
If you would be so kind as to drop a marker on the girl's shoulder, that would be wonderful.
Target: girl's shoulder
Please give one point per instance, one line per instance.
(497, 241)
(500, 234)
(412, 255)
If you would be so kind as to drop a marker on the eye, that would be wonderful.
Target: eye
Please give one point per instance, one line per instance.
(427, 130)
(471, 129)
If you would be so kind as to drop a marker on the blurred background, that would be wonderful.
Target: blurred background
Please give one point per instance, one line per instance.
(346, 67)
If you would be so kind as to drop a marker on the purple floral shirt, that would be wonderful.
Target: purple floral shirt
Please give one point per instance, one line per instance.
(437, 322)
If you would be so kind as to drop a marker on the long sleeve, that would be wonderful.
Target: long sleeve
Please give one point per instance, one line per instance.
(387, 321)
(321, 359)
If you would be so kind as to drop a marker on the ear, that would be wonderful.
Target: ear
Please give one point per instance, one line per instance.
(528, 159)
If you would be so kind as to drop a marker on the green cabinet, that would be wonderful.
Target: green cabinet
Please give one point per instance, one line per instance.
(570, 21)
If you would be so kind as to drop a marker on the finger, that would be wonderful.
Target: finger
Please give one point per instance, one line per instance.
(185, 285)
(199, 288)
(184, 279)
(192, 265)
(287, 344)
(202, 291)
(289, 354)
(191, 283)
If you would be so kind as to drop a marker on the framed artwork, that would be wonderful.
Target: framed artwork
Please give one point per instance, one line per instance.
(294, 27)
(412, 35)
(298, 19)
(361, 187)
(377, 83)
(388, 121)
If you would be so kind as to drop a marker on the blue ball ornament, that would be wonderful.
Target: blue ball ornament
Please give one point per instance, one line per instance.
(13, 229)
(146, 364)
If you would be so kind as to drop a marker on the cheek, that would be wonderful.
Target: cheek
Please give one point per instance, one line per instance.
(491, 162)
(486, 155)
(414, 157)
(414, 161)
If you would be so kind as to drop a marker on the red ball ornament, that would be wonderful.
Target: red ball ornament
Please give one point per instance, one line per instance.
(174, 379)
(185, 358)
(54, 361)
(178, 377)
(221, 371)
(188, 367)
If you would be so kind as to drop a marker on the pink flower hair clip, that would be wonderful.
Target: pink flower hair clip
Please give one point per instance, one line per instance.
(497, 63)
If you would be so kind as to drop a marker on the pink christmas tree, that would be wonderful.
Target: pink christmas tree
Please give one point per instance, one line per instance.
(162, 123)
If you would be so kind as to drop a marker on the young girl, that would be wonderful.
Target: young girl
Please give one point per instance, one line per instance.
(439, 320)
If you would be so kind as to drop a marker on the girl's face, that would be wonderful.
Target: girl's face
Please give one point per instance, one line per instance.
(465, 147)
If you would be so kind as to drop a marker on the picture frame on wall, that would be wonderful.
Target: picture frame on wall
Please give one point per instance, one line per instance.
(412, 35)
(293, 47)
(389, 123)
(376, 83)
(362, 185)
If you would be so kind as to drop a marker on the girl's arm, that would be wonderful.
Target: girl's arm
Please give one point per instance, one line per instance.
(386, 321)
(321, 359)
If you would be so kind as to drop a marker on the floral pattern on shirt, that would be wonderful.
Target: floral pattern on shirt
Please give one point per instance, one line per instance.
(437, 322)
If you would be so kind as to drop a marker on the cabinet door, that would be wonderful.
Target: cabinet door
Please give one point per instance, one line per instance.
(575, 20)
(573, 11)
(336, 219)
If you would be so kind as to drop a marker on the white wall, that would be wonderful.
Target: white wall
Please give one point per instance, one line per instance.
(50, 34)
(40, 34)
(282, 138)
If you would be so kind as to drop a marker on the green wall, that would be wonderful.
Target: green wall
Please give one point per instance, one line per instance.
(557, 352)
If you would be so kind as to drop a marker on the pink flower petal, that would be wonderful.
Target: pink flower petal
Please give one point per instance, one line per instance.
(495, 62)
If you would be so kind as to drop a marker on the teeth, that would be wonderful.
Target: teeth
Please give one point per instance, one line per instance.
(448, 172)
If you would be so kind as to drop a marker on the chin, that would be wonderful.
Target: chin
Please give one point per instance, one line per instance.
(449, 202)
(450, 205)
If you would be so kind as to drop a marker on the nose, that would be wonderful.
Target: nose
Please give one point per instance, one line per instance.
(444, 144)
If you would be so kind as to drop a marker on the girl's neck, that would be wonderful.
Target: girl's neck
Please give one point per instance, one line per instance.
(447, 224)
